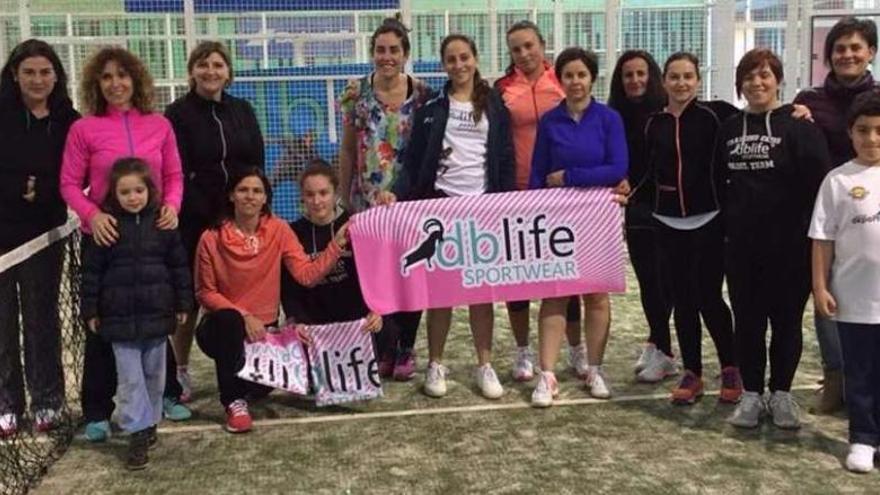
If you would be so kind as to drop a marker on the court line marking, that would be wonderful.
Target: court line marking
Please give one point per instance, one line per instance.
(342, 417)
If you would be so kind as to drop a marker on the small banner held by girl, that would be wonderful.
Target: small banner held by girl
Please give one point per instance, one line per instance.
(510, 246)
(278, 361)
(344, 368)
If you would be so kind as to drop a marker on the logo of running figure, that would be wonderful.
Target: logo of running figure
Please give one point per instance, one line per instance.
(427, 249)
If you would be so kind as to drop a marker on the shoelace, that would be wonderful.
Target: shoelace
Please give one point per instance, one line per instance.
(238, 408)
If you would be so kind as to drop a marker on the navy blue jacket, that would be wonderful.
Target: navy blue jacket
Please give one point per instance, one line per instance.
(138, 284)
(419, 171)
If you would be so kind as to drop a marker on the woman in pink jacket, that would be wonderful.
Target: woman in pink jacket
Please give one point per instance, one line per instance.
(117, 96)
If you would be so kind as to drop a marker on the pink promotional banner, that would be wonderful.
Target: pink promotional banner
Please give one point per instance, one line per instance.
(344, 367)
(495, 247)
(278, 361)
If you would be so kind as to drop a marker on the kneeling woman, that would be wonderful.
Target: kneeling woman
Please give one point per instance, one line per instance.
(460, 146)
(580, 143)
(238, 273)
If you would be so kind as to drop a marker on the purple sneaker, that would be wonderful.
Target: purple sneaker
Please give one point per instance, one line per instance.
(386, 366)
(405, 367)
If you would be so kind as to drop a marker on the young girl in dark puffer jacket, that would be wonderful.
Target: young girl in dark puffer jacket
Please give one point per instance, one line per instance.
(133, 294)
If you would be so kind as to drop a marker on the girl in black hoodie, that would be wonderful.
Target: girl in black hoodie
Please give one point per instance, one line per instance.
(35, 115)
(773, 164)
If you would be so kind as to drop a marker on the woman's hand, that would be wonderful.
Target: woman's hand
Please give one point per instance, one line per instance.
(93, 324)
(304, 335)
(341, 237)
(167, 218)
(30, 189)
(556, 179)
(825, 303)
(374, 323)
(621, 192)
(385, 198)
(802, 112)
(104, 229)
(254, 328)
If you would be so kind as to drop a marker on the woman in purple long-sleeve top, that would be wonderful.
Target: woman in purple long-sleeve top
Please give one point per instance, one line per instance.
(580, 143)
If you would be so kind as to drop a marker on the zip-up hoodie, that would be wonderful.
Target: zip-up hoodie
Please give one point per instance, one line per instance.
(423, 153)
(681, 157)
(337, 297)
(829, 105)
(216, 139)
(242, 272)
(95, 142)
(527, 101)
(773, 165)
(138, 284)
(31, 147)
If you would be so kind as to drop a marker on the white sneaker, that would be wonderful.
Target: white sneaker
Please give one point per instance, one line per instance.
(523, 369)
(435, 380)
(645, 357)
(786, 413)
(860, 458)
(577, 360)
(546, 391)
(597, 383)
(8, 425)
(487, 382)
(658, 367)
(46, 420)
(749, 410)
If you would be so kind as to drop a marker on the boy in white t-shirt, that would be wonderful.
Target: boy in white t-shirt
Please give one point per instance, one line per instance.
(846, 249)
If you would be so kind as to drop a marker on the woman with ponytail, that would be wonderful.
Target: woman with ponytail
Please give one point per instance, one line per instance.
(460, 146)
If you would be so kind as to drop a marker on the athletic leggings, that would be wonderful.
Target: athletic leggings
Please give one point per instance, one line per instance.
(642, 241)
(768, 285)
(694, 266)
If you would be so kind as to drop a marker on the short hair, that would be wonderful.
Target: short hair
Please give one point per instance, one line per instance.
(866, 104)
(204, 50)
(392, 25)
(93, 100)
(755, 59)
(318, 166)
(688, 56)
(866, 28)
(573, 53)
(129, 166)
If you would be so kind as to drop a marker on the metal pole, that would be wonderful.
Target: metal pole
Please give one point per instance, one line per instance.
(612, 35)
(189, 24)
(24, 19)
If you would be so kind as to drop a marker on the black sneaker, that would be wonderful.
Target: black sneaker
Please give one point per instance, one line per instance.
(138, 444)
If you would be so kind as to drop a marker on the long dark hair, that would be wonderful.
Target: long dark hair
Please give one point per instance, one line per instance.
(480, 96)
(228, 211)
(10, 91)
(654, 97)
(129, 166)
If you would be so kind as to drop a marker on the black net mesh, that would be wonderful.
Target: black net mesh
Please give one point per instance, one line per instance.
(40, 301)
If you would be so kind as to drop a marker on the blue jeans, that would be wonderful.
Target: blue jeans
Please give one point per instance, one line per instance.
(140, 371)
(829, 343)
(861, 368)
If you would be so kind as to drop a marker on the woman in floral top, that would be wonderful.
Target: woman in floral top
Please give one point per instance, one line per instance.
(377, 112)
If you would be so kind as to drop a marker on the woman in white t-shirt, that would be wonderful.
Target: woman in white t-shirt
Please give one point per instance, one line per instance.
(460, 146)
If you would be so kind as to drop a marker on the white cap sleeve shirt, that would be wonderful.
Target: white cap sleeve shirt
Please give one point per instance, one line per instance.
(847, 212)
(462, 167)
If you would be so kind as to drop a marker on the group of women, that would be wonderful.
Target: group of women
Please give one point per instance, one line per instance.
(707, 187)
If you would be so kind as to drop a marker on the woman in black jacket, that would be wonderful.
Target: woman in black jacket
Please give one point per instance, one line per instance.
(460, 146)
(35, 115)
(218, 135)
(680, 146)
(773, 164)
(134, 292)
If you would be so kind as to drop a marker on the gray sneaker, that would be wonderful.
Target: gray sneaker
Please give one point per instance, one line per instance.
(785, 411)
(749, 411)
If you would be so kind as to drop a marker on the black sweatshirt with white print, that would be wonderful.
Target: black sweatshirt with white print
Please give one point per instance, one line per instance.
(773, 165)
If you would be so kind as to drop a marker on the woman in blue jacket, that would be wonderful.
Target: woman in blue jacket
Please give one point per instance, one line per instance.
(580, 143)
(460, 146)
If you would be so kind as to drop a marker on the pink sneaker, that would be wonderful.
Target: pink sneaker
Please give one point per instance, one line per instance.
(386, 366)
(405, 367)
